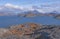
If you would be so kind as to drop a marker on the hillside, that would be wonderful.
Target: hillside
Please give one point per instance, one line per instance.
(30, 31)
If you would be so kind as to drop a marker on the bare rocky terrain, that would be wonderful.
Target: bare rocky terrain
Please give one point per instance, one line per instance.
(30, 31)
(57, 16)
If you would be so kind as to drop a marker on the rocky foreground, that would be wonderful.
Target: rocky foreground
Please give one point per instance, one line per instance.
(30, 31)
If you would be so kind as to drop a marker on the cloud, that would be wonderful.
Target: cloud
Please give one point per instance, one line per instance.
(49, 7)
(45, 8)
(0, 8)
(13, 6)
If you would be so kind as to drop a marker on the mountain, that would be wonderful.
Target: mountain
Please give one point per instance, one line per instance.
(4, 10)
(18, 9)
(9, 9)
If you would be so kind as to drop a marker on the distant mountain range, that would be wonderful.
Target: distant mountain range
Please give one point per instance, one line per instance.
(8, 10)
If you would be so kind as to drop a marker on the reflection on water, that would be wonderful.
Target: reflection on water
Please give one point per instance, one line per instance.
(13, 20)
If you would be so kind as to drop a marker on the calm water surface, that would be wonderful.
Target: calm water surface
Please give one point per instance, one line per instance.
(6, 21)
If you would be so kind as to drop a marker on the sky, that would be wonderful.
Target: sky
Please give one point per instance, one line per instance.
(43, 5)
(29, 2)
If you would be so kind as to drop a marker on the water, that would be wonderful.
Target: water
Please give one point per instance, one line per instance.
(6, 21)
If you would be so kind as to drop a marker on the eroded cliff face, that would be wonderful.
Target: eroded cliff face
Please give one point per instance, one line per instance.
(30, 31)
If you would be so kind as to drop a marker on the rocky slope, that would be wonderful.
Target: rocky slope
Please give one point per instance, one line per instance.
(30, 31)
(57, 16)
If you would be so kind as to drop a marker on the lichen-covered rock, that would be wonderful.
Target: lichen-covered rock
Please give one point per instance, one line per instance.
(3, 31)
(30, 31)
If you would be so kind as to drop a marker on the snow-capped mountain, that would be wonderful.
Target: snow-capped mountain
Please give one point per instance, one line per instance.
(14, 9)
(10, 9)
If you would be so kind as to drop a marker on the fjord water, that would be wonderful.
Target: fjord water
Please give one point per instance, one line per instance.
(6, 21)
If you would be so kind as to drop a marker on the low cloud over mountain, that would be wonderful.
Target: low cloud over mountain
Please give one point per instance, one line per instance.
(11, 8)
